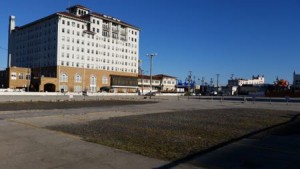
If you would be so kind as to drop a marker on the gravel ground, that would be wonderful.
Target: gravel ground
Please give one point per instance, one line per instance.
(43, 105)
(175, 135)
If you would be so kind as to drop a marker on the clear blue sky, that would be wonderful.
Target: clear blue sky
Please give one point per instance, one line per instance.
(240, 37)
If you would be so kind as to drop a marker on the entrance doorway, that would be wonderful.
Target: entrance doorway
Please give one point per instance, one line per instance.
(49, 87)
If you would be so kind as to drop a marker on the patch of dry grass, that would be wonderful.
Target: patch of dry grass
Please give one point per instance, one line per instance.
(176, 134)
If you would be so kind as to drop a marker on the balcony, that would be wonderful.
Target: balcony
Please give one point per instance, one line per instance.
(115, 30)
(123, 32)
(123, 38)
(106, 27)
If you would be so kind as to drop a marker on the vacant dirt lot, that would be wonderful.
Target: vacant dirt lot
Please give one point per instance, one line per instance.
(177, 134)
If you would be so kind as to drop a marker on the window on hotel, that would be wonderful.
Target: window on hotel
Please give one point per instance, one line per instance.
(77, 89)
(104, 80)
(64, 77)
(78, 78)
(93, 80)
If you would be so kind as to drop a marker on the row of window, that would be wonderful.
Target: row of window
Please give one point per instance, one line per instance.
(98, 53)
(93, 44)
(114, 26)
(73, 24)
(104, 38)
(40, 27)
(119, 57)
(100, 67)
(108, 61)
(78, 78)
(21, 76)
(157, 81)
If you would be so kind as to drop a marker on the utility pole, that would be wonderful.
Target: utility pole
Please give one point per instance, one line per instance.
(202, 84)
(140, 74)
(151, 62)
(211, 84)
(189, 82)
(232, 76)
(218, 75)
(194, 84)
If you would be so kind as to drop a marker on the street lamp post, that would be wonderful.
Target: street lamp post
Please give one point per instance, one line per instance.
(151, 62)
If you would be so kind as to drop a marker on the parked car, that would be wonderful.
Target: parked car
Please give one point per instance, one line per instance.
(150, 94)
(213, 93)
(84, 93)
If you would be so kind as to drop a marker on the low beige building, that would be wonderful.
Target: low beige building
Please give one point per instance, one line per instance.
(160, 82)
(15, 78)
(69, 80)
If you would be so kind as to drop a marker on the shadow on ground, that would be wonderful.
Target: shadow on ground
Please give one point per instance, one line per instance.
(274, 147)
(47, 105)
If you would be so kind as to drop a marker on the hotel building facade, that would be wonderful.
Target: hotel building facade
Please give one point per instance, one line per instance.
(76, 51)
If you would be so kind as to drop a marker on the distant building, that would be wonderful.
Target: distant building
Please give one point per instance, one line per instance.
(296, 81)
(160, 82)
(256, 80)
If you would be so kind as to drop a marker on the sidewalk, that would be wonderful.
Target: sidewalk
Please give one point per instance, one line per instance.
(25, 146)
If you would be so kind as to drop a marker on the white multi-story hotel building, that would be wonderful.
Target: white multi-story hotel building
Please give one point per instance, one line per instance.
(76, 50)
